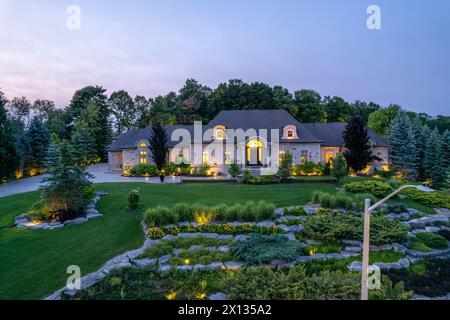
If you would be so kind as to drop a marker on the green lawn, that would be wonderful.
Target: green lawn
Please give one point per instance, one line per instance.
(33, 263)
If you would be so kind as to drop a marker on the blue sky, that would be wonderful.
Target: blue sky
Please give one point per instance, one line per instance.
(151, 47)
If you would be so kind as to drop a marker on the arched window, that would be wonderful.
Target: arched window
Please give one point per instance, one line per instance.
(219, 133)
(290, 132)
(143, 152)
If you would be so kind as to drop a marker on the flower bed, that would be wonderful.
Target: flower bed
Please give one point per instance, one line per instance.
(221, 229)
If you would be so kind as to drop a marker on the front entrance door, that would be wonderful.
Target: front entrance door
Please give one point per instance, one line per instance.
(254, 153)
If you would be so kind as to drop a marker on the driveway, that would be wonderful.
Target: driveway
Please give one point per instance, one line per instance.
(99, 171)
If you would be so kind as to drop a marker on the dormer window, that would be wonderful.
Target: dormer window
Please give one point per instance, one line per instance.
(219, 133)
(290, 132)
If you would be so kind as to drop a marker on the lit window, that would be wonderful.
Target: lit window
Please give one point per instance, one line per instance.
(329, 156)
(304, 156)
(227, 157)
(219, 133)
(143, 145)
(143, 157)
(290, 134)
(205, 157)
(282, 154)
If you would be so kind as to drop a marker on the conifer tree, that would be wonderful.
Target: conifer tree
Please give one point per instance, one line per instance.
(421, 134)
(434, 161)
(37, 139)
(357, 142)
(9, 158)
(403, 147)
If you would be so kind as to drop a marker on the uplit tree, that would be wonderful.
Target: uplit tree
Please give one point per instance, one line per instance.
(158, 145)
(358, 152)
(339, 167)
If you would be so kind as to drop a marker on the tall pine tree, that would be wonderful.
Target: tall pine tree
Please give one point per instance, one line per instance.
(37, 139)
(9, 158)
(357, 142)
(421, 134)
(434, 161)
(403, 147)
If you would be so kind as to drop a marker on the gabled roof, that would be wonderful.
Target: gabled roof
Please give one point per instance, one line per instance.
(131, 138)
(263, 119)
(331, 134)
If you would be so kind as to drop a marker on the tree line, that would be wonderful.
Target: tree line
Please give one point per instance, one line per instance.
(92, 117)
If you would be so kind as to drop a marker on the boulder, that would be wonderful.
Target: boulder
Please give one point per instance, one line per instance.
(318, 256)
(119, 262)
(389, 266)
(215, 265)
(232, 265)
(199, 267)
(353, 243)
(337, 256)
(194, 248)
(184, 268)
(296, 228)
(284, 227)
(417, 231)
(210, 235)
(432, 229)
(347, 254)
(265, 224)
(168, 237)
(404, 262)
(355, 266)
(133, 254)
(414, 212)
(223, 249)
(399, 248)
(290, 236)
(188, 235)
(303, 259)
(145, 263)
(165, 267)
(225, 236)
(353, 249)
(241, 237)
(164, 259)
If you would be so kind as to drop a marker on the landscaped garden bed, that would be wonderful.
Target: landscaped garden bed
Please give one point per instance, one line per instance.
(258, 256)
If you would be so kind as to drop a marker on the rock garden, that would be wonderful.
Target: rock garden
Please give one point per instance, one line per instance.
(257, 251)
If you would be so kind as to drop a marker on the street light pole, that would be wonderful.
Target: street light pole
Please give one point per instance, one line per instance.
(366, 240)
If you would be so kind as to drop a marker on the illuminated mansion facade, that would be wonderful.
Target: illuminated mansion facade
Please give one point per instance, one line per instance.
(255, 139)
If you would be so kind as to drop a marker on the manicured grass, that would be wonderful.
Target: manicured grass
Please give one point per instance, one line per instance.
(33, 263)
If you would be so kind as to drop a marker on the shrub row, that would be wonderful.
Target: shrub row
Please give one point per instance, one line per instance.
(310, 168)
(267, 179)
(150, 170)
(158, 233)
(377, 188)
(182, 212)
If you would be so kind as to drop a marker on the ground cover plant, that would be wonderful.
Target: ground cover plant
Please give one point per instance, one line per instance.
(434, 199)
(200, 256)
(432, 240)
(333, 226)
(430, 278)
(259, 249)
(165, 247)
(341, 200)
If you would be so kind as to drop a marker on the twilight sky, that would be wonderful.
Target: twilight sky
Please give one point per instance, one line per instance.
(151, 47)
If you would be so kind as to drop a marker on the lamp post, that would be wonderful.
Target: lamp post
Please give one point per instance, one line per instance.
(366, 242)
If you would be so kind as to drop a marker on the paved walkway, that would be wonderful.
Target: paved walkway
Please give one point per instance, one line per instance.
(99, 171)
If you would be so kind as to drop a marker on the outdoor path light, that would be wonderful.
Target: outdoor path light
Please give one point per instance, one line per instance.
(367, 211)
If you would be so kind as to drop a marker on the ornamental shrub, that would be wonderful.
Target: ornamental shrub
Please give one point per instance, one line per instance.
(340, 226)
(144, 170)
(260, 249)
(133, 199)
(234, 170)
(377, 188)
(434, 199)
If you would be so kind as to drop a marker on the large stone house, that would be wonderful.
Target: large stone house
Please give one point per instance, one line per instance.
(254, 139)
